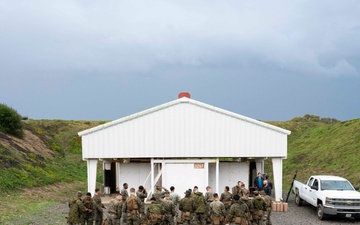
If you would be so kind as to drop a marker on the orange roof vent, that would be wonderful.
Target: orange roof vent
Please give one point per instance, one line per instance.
(184, 94)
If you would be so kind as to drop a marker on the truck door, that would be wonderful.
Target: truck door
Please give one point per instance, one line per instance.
(306, 191)
(312, 195)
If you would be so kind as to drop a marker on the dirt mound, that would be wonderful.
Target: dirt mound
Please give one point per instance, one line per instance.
(29, 144)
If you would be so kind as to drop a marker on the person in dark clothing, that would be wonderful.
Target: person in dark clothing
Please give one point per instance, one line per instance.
(258, 181)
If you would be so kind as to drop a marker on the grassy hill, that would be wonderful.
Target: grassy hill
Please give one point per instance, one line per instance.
(50, 154)
(322, 147)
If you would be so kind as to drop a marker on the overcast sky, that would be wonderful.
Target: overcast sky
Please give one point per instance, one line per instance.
(103, 60)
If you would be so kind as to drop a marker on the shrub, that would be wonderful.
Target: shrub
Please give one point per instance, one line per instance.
(10, 121)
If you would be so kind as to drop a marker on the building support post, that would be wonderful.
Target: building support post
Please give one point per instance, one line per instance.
(217, 175)
(277, 170)
(91, 174)
(118, 184)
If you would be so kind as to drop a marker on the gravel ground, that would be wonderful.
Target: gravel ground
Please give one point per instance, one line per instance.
(295, 216)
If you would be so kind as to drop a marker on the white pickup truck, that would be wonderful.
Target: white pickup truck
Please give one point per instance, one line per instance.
(331, 195)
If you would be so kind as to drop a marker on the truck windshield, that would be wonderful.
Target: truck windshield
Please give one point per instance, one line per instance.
(335, 185)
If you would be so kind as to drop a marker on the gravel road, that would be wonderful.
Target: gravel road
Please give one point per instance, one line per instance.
(295, 216)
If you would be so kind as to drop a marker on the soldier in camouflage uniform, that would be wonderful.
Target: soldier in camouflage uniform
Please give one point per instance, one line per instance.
(88, 215)
(124, 193)
(159, 193)
(115, 210)
(226, 198)
(248, 202)
(98, 207)
(238, 211)
(169, 209)
(200, 207)
(155, 212)
(236, 190)
(209, 197)
(131, 208)
(76, 209)
(175, 198)
(267, 212)
(259, 207)
(187, 208)
(217, 211)
(142, 194)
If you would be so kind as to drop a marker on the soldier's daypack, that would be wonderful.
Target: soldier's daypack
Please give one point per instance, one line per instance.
(131, 203)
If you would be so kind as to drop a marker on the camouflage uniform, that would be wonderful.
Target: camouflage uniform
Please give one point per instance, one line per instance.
(187, 208)
(159, 194)
(217, 212)
(208, 199)
(175, 198)
(250, 205)
(132, 211)
(76, 209)
(98, 210)
(88, 215)
(200, 208)
(236, 190)
(142, 195)
(226, 198)
(114, 212)
(169, 211)
(124, 193)
(155, 213)
(259, 207)
(268, 202)
(237, 213)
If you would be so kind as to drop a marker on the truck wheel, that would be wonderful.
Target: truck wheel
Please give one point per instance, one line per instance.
(320, 212)
(298, 200)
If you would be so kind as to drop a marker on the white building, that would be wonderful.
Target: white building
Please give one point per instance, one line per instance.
(183, 143)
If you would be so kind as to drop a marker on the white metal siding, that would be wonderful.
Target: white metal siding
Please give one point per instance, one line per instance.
(184, 129)
(134, 174)
(229, 174)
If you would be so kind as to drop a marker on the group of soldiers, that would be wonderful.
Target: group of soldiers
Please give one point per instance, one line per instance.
(167, 207)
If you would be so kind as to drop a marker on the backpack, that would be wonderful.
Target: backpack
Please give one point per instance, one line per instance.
(131, 203)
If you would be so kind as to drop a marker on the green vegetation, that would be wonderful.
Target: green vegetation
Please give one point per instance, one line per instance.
(321, 146)
(49, 155)
(10, 121)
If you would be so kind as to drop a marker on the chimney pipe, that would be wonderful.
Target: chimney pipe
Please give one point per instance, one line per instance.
(184, 94)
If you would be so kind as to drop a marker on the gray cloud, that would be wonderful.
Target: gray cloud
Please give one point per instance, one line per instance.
(73, 45)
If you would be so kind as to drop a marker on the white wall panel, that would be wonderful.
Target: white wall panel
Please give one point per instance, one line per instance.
(134, 174)
(229, 174)
(184, 129)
